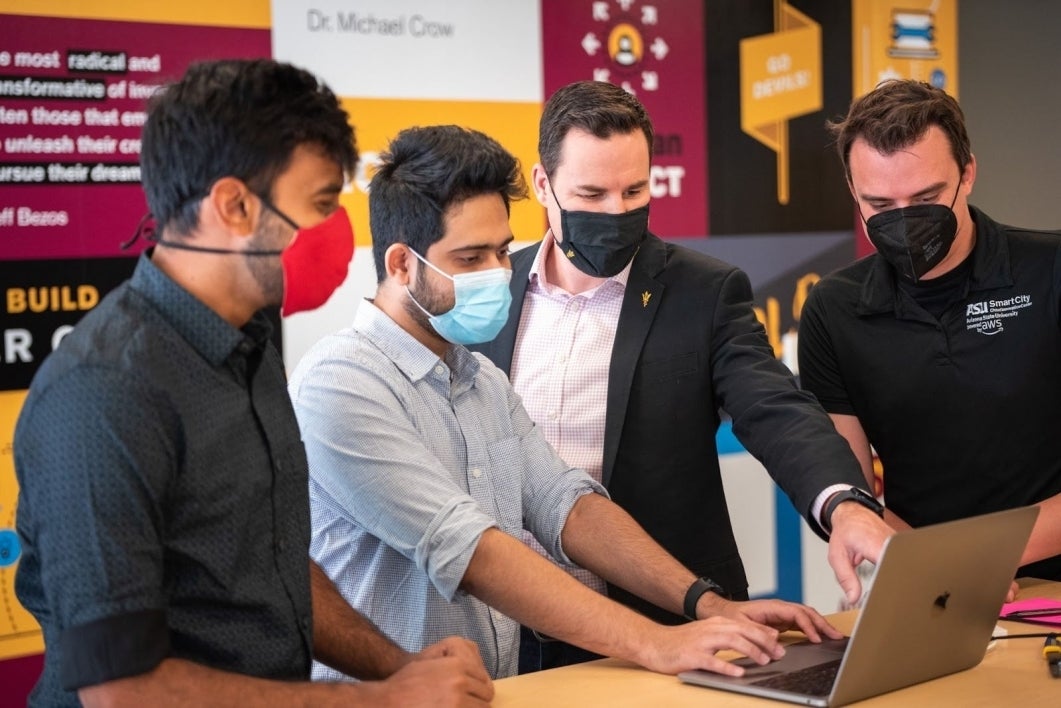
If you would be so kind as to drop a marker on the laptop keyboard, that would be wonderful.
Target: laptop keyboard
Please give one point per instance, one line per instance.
(812, 681)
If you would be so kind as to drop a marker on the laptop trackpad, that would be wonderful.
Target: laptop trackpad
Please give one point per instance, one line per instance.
(797, 656)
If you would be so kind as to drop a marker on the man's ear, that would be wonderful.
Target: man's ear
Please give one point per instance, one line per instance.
(851, 188)
(232, 207)
(969, 174)
(540, 184)
(397, 262)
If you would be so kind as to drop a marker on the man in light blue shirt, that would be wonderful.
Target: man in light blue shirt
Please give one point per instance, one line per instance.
(425, 467)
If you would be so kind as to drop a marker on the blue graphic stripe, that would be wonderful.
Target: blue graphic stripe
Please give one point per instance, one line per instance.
(788, 540)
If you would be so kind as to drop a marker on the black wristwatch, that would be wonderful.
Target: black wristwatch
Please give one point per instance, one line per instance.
(696, 591)
(853, 494)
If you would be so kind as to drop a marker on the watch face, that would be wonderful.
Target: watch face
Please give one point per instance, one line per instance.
(853, 494)
(698, 589)
(867, 500)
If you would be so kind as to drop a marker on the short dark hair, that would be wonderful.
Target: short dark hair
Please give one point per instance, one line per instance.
(895, 115)
(427, 170)
(239, 118)
(597, 107)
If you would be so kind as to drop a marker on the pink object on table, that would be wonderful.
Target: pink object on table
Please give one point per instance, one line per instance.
(1039, 610)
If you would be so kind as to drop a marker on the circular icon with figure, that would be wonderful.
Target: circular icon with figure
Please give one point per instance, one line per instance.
(625, 45)
(10, 548)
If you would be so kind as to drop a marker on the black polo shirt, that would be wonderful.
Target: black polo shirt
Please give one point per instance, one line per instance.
(163, 504)
(964, 411)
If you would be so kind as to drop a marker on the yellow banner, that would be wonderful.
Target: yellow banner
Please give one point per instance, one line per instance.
(904, 39)
(781, 78)
(251, 14)
(378, 121)
(20, 634)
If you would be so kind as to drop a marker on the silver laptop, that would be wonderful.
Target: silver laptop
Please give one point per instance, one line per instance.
(930, 612)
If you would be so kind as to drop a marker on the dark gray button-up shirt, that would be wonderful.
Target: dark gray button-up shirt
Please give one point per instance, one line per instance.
(163, 502)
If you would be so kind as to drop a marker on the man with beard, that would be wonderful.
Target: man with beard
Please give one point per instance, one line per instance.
(163, 501)
(425, 468)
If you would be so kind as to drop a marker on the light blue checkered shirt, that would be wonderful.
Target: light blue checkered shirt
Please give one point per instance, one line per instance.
(411, 458)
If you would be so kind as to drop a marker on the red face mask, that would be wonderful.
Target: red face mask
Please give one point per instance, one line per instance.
(315, 262)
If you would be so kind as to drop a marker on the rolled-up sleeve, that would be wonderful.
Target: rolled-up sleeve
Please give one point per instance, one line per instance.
(93, 539)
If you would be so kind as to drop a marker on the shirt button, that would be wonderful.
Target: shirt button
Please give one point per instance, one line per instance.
(552, 415)
(440, 370)
(476, 472)
(280, 545)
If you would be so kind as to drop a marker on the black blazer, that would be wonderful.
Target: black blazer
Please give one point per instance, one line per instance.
(688, 344)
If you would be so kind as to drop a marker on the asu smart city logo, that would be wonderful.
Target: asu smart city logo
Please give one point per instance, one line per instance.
(988, 317)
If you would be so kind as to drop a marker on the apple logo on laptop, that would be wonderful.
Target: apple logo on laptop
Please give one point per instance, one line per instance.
(941, 601)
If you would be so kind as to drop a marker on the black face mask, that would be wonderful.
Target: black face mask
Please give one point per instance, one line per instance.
(914, 239)
(601, 244)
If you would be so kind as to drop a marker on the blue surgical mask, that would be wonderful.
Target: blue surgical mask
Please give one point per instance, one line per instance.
(480, 310)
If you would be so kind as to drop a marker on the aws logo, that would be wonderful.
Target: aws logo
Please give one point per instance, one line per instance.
(976, 308)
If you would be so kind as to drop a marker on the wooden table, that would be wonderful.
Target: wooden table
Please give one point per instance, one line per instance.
(1013, 673)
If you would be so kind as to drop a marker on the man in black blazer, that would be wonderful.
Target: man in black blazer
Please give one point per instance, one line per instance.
(614, 331)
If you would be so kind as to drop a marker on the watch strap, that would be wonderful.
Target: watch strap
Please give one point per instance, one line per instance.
(853, 494)
(696, 591)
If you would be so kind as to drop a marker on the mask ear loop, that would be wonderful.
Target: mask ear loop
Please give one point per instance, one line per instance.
(553, 233)
(858, 205)
(144, 228)
(430, 265)
(271, 207)
(147, 228)
(956, 190)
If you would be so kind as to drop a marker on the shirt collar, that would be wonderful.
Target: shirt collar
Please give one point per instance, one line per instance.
(410, 356)
(990, 268)
(991, 264)
(537, 277)
(205, 330)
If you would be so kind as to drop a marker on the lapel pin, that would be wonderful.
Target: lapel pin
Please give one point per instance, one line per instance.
(645, 297)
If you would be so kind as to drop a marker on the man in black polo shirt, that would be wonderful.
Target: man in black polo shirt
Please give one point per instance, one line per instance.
(163, 502)
(943, 349)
